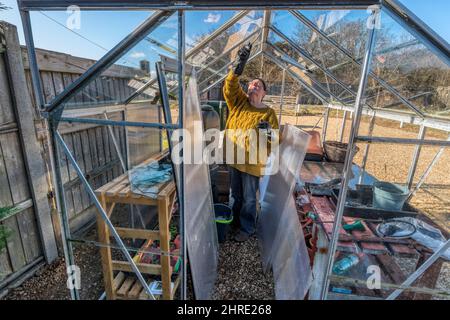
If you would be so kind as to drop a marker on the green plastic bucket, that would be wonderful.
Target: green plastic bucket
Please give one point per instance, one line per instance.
(389, 196)
(224, 216)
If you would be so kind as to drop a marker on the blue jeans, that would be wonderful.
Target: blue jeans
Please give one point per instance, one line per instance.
(243, 190)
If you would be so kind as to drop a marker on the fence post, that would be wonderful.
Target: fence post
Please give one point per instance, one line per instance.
(31, 148)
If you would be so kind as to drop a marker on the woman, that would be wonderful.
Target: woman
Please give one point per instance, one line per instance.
(246, 111)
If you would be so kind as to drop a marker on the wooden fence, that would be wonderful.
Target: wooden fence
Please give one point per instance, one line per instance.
(25, 171)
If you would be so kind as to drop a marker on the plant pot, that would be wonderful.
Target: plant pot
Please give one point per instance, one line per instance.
(224, 217)
(336, 151)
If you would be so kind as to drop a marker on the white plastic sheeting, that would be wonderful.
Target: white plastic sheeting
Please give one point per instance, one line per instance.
(281, 237)
(201, 232)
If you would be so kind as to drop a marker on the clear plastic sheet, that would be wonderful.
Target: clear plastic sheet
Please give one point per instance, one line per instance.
(201, 232)
(143, 142)
(281, 238)
(291, 266)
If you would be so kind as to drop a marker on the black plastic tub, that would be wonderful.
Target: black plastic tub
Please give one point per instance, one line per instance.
(224, 217)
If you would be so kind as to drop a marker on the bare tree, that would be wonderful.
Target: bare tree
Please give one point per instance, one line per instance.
(4, 7)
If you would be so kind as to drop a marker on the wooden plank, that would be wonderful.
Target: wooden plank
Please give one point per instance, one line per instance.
(6, 109)
(100, 151)
(100, 90)
(79, 96)
(58, 82)
(78, 148)
(135, 290)
(145, 268)
(369, 248)
(429, 278)
(76, 189)
(323, 208)
(84, 141)
(126, 286)
(14, 244)
(64, 169)
(106, 187)
(5, 191)
(61, 62)
(67, 80)
(105, 251)
(112, 94)
(15, 168)
(107, 150)
(120, 83)
(94, 156)
(5, 265)
(392, 270)
(118, 280)
(319, 265)
(47, 86)
(117, 189)
(29, 234)
(30, 90)
(116, 89)
(137, 233)
(93, 92)
(163, 215)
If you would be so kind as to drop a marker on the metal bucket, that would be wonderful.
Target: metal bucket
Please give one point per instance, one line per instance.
(389, 196)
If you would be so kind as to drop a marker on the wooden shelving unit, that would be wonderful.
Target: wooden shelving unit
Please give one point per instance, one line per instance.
(124, 285)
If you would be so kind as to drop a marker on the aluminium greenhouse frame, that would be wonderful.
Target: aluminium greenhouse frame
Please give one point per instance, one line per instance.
(53, 111)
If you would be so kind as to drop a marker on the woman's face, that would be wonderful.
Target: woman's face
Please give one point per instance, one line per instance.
(256, 89)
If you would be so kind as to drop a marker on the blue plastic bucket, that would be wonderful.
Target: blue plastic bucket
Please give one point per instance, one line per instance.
(389, 196)
(224, 216)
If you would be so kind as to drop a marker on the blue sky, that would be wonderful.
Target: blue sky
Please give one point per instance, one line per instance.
(105, 29)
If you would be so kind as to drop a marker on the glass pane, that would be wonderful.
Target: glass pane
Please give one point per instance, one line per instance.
(411, 68)
(69, 42)
(109, 91)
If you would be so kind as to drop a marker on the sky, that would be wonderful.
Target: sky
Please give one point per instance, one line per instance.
(100, 31)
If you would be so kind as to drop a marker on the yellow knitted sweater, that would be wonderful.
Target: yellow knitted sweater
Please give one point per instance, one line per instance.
(242, 115)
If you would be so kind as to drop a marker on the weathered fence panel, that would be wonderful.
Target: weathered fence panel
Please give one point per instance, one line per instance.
(22, 170)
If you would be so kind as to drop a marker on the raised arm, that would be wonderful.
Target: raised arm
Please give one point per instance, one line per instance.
(232, 91)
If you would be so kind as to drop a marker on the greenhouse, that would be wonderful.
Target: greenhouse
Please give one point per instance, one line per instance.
(359, 207)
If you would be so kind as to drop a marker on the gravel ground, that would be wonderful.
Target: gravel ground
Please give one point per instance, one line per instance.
(49, 283)
(240, 275)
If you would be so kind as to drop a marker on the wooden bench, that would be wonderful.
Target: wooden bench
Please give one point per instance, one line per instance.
(125, 285)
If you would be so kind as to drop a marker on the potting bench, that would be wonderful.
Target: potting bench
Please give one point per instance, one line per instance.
(380, 251)
(124, 285)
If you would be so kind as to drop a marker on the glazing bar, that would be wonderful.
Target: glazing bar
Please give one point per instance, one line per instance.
(31, 51)
(347, 171)
(418, 142)
(415, 160)
(120, 123)
(61, 205)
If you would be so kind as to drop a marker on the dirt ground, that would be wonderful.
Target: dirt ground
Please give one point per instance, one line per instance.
(240, 275)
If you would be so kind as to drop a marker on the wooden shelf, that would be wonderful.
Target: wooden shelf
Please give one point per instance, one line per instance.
(118, 191)
(128, 287)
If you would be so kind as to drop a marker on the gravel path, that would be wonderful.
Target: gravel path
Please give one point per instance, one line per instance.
(240, 274)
